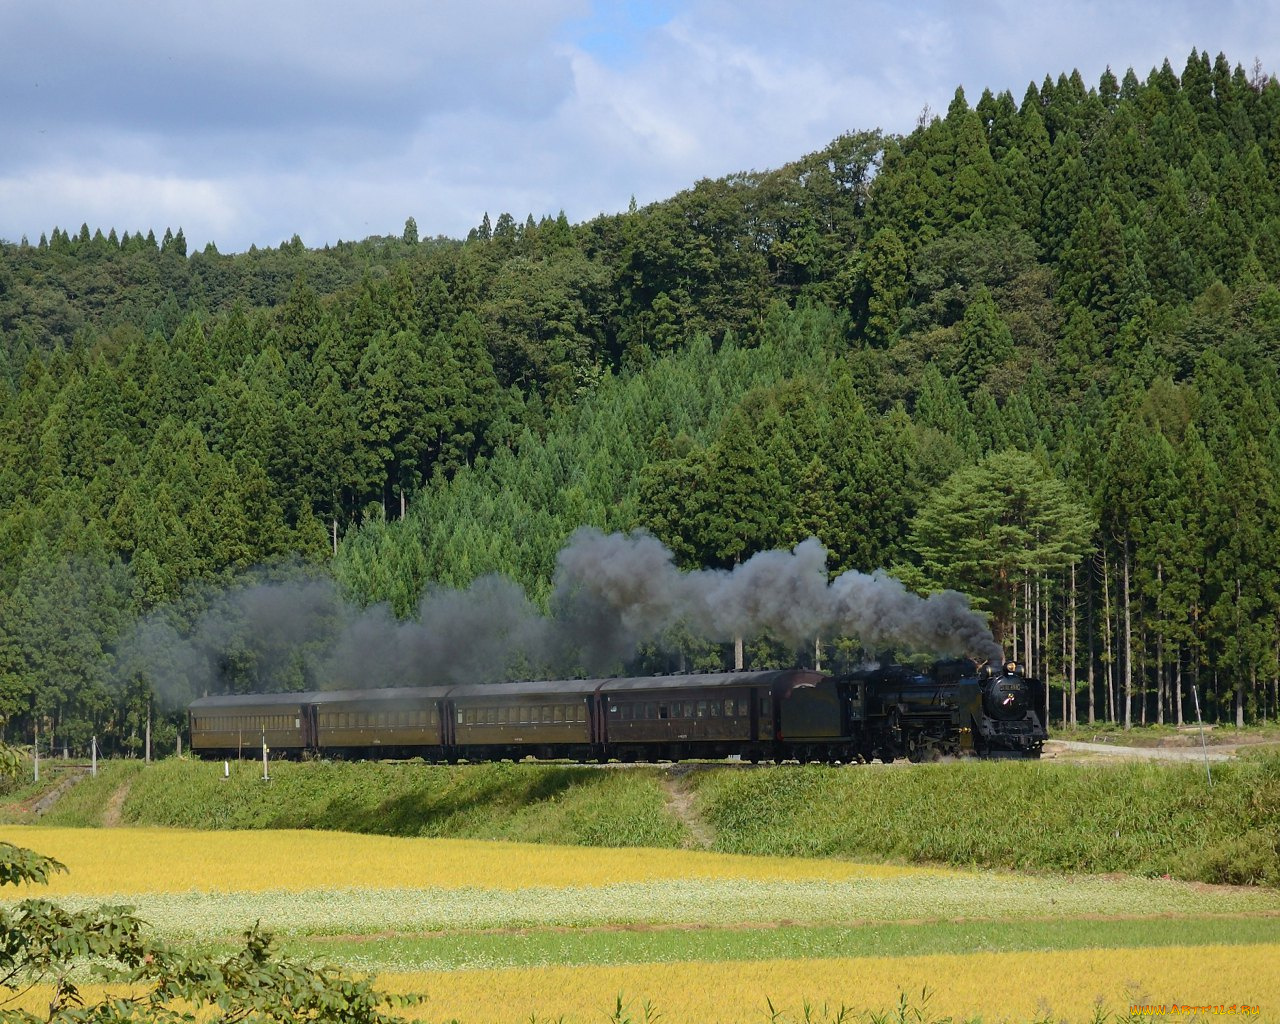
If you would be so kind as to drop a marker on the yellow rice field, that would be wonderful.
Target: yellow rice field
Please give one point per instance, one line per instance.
(1240, 982)
(442, 885)
(155, 860)
(999, 986)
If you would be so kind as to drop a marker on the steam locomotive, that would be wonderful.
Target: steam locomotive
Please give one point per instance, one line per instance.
(884, 713)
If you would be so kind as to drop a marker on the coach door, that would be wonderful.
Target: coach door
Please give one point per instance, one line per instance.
(310, 724)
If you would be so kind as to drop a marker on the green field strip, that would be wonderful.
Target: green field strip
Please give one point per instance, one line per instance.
(668, 945)
(725, 902)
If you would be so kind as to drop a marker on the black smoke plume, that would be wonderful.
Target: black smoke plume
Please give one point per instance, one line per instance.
(612, 593)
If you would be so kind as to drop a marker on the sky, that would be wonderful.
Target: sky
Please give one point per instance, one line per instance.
(249, 121)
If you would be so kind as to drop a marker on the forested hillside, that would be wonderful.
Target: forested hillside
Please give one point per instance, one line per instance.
(1029, 351)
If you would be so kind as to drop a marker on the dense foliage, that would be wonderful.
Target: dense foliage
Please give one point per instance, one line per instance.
(1029, 350)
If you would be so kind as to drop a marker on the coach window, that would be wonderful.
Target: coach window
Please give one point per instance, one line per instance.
(702, 709)
(582, 713)
(688, 709)
(662, 711)
(766, 707)
(715, 709)
(558, 714)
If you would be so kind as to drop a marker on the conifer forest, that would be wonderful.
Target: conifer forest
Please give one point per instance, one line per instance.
(1030, 352)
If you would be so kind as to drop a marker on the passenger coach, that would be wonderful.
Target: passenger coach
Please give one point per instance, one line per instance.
(886, 713)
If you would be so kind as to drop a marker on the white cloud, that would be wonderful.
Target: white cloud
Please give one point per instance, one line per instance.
(247, 122)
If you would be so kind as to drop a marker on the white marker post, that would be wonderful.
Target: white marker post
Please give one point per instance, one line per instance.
(265, 776)
(93, 756)
(1203, 746)
(35, 752)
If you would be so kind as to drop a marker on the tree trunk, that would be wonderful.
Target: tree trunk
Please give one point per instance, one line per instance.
(1110, 651)
(1128, 646)
(1160, 679)
(1142, 675)
(1177, 685)
(1075, 620)
(1091, 633)
(1067, 674)
(1030, 624)
(1013, 623)
(1160, 673)
(1042, 602)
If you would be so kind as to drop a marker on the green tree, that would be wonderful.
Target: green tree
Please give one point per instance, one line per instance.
(985, 342)
(993, 526)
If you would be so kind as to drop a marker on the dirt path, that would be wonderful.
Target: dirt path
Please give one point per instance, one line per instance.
(41, 806)
(681, 806)
(111, 813)
(1218, 753)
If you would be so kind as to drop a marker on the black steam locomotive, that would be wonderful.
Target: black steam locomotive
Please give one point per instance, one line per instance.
(884, 713)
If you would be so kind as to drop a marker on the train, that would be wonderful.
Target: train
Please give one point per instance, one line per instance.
(885, 713)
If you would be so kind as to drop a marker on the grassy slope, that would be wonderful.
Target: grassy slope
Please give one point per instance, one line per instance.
(1141, 818)
(1136, 817)
(534, 803)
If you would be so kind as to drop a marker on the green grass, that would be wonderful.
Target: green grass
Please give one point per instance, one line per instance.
(537, 948)
(528, 802)
(1156, 735)
(919, 897)
(1144, 818)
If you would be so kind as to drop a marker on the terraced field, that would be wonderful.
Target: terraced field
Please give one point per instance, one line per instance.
(504, 932)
